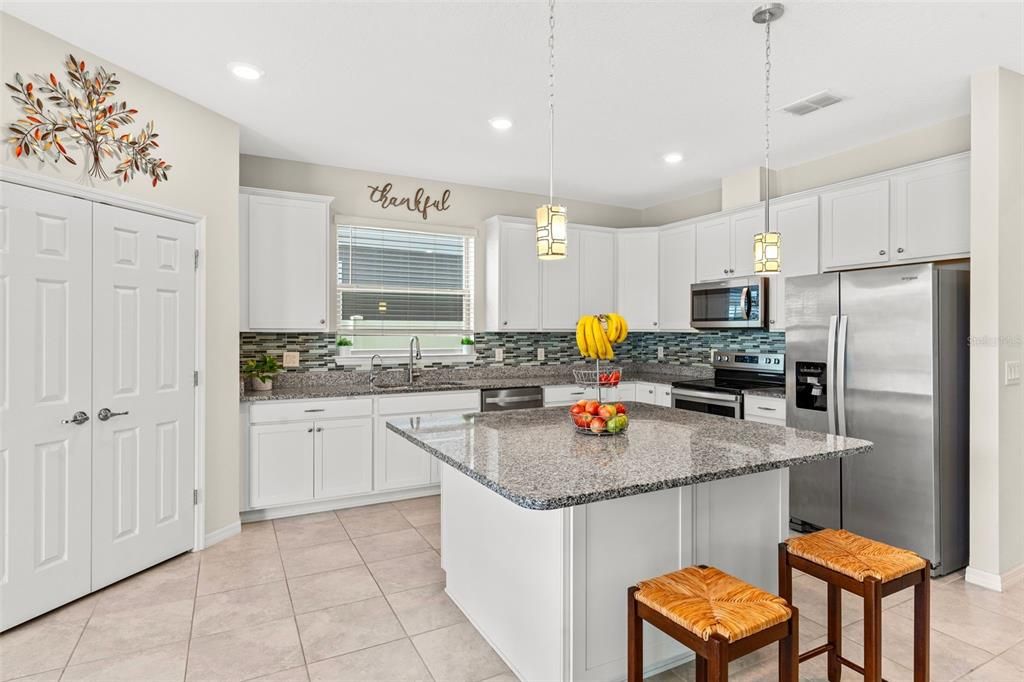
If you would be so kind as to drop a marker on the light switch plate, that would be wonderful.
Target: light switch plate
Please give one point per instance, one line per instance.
(661, 352)
(291, 358)
(540, 353)
(1012, 372)
(499, 354)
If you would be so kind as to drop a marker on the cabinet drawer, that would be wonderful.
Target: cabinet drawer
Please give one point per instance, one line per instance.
(763, 420)
(468, 401)
(308, 410)
(766, 408)
(567, 394)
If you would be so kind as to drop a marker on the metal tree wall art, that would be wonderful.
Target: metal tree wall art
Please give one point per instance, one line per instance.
(83, 114)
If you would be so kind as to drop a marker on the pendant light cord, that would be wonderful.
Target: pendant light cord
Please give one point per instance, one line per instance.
(767, 124)
(551, 102)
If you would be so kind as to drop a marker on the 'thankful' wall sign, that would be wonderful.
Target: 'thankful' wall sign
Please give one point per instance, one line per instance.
(420, 202)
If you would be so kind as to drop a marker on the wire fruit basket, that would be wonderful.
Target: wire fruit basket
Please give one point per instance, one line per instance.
(597, 417)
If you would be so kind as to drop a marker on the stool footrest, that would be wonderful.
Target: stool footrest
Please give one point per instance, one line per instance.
(816, 651)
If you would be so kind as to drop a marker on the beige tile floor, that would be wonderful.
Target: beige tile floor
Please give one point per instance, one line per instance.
(358, 595)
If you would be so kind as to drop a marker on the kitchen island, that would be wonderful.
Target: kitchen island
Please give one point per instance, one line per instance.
(543, 528)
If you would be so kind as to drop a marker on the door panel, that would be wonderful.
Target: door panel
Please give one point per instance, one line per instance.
(932, 210)
(343, 457)
(677, 261)
(560, 293)
(637, 279)
(714, 249)
(744, 226)
(399, 463)
(597, 268)
(144, 331)
(520, 279)
(855, 225)
(45, 465)
(280, 467)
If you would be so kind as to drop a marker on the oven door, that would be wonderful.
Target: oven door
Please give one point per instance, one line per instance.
(729, 303)
(708, 402)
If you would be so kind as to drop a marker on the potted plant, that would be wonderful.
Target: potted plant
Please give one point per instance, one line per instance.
(261, 372)
(467, 345)
(344, 345)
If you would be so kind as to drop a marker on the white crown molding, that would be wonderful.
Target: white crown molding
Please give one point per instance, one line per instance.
(74, 189)
(281, 194)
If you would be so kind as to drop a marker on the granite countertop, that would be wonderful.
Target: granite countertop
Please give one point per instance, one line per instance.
(779, 392)
(450, 381)
(537, 460)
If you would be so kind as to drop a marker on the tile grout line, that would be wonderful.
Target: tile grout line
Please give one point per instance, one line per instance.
(78, 641)
(192, 620)
(288, 587)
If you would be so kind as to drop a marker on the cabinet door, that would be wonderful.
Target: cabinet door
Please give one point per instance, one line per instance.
(932, 207)
(637, 279)
(343, 457)
(646, 393)
(675, 274)
(287, 240)
(597, 272)
(855, 225)
(797, 222)
(663, 395)
(520, 278)
(713, 246)
(560, 290)
(399, 463)
(280, 464)
(744, 226)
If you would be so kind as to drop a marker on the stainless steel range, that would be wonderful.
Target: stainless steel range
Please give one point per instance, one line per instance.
(735, 372)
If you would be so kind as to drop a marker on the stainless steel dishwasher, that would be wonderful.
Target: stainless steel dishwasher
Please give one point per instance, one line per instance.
(500, 399)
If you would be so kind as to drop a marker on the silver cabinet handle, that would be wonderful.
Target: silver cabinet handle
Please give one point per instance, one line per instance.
(881, 252)
(318, 409)
(899, 250)
(766, 409)
(77, 418)
(105, 414)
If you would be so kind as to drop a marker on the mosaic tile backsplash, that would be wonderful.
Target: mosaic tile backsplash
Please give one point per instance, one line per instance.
(317, 350)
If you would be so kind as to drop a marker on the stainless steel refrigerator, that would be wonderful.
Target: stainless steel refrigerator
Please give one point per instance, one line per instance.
(882, 354)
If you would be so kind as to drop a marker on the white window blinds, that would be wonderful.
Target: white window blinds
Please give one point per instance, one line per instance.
(393, 281)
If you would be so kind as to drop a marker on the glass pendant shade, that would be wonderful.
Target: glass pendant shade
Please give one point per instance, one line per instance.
(552, 231)
(768, 253)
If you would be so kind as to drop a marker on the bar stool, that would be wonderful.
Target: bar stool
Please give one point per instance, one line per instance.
(716, 615)
(868, 569)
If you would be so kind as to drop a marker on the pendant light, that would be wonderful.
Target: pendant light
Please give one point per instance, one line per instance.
(768, 244)
(552, 221)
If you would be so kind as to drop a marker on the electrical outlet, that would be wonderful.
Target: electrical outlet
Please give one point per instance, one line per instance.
(499, 354)
(661, 352)
(1012, 372)
(540, 353)
(291, 358)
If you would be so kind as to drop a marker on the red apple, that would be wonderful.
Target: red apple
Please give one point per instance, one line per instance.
(577, 409)
(582, 403)
(620, 408)
(597, 425)
(607, 412)
(593, 406)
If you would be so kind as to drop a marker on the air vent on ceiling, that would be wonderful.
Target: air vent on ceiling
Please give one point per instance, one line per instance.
(818, 100)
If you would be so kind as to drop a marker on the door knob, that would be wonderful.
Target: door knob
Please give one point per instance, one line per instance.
(77, 418)
(105, 414)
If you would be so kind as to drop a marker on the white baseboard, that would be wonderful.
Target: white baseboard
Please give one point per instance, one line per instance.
(995, 581)
(224, 533)
(283, 511)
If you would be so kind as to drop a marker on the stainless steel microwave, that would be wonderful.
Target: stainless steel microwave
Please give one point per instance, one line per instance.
(740, 303)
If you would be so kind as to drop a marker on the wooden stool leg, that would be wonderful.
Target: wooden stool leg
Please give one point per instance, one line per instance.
(702, 669)
(789, 650)
(718, 659)
(872, 630)
(835, 632)
(634, 640)
(922, 625)
(785, 574)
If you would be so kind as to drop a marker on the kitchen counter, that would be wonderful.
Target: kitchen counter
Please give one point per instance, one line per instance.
(779, 392)
(538, 461)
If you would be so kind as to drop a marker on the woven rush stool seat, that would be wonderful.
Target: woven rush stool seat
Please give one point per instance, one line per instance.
(718, 616)
(870, 570)
(706, 601)
(855, 556)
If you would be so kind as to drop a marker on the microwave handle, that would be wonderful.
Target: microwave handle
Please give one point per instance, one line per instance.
(745, 302)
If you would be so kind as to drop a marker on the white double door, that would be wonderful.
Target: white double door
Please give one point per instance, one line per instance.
(97, 348)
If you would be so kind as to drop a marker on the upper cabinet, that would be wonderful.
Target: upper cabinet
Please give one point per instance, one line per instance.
(676, 272)
(725, 245)
(797, 221)
(597, 272)
(744, 226)
(513, 276)
(637, 278)
(855, 225)
(560, 286)
(932, 210)
(286, 261)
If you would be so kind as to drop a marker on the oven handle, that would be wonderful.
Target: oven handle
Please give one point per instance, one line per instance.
(719, 398)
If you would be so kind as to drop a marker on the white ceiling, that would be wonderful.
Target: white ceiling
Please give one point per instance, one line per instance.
(408, 87)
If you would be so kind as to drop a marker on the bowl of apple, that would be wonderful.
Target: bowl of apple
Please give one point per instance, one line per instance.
(597, 419)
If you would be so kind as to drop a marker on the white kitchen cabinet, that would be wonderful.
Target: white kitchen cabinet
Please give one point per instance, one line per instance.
(676, 272)
(280, 464)
(560, 287)
(764, 409)
(713, 246)
(646, 393)
(512, 276)
(855, 225)
(663, 395)
(343, 457)
(399, 463)
(567, 394)
(797, 221)
(597, 272)
(932, 210)
(637, 278)
(625, 392)
(744, 226)
(286, 261)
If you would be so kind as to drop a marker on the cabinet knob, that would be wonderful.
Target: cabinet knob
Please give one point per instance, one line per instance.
(323, 321)
(899, 250)
(655, 324)
(505, 323)
(771, 321)
(725, 272)
(319, 429)
(309, 430)
(731, 271)
(881, 252)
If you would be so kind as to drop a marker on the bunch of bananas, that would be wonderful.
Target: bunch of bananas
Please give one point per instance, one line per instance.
(595, 335)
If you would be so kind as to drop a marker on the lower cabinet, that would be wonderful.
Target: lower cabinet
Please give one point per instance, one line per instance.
(342, 457)
(280, 464)
(765, 410)
(400, 464)
(654, 394)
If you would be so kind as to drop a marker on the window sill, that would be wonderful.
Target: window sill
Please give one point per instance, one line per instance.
(361, 359)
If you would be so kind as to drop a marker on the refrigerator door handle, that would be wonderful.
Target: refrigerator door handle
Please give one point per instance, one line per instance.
(841, 377)
(830, 376)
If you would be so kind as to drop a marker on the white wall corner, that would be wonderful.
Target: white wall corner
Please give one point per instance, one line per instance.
(230, 530)
(995, 581)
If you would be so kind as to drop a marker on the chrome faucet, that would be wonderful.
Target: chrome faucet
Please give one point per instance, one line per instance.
(414, 343)
(375, 372)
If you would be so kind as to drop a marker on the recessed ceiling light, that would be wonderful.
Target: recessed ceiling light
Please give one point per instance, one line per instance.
(501, 123)
(673, 157)
(246, 72)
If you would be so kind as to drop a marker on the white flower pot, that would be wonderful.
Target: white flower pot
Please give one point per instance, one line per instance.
(468, 349)
(258, 385)
(344, 351)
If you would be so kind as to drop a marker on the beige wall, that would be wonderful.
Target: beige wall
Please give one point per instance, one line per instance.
(997, 324)
(922, 144)
(203, 148)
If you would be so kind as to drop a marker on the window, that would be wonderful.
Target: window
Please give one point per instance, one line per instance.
(393, 283)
